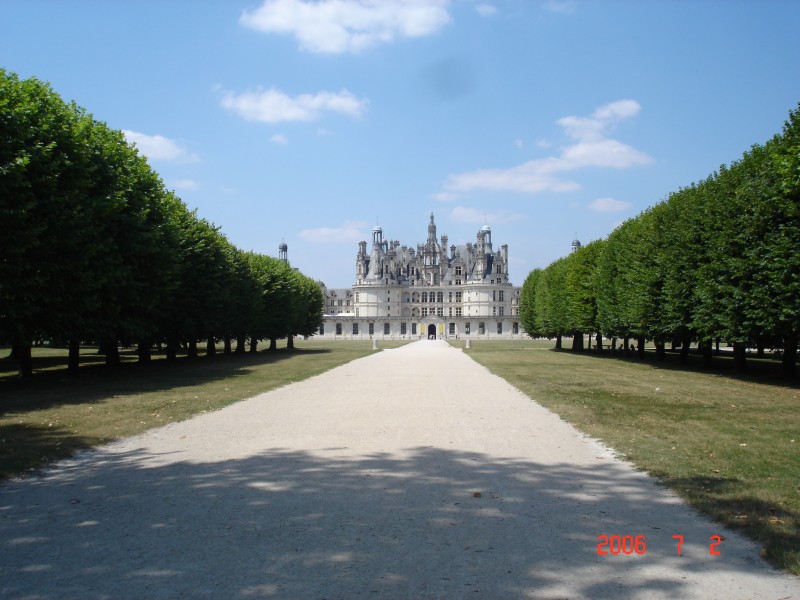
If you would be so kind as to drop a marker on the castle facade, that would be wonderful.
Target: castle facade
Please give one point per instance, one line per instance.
(432, 290)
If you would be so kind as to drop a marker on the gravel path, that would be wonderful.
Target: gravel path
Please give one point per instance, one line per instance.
(412, 473)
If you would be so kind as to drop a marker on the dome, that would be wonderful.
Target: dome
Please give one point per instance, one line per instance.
(486, 228)
(283, 246)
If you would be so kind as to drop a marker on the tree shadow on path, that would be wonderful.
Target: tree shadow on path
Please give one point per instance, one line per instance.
(421, 523)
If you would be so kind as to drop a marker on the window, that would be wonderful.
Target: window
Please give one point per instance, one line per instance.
(450, 296)
(355, 328)
(499, 327)
(413, 329)
(372, 328)
(333, 302)
(338, 329)
(402, 328)
(458, 296)
(452, 328)
(515, 328)
(501, 310)
(356, 296)
(458, 271)
(458, 282)
(458, 311)
(502, 296)
(322, 329)
(424, 311)
(466, 328)
(481, 328)
(439, 311)
(440, 297)
(494, 295)
(494, 311)
(424, 296)
(433, 297)
(340, 303)
(449, 311)
(385, 329)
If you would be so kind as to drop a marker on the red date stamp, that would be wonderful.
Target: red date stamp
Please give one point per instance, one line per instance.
(629, 544)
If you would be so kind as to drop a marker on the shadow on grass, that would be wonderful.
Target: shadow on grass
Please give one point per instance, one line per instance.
(299, 524)
(763, 371)
(96, 382)
(775, 526)
(24, 445)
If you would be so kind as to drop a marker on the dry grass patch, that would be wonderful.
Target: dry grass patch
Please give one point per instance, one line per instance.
(729, 445)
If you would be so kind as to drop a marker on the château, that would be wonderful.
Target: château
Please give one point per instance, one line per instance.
(433, 290)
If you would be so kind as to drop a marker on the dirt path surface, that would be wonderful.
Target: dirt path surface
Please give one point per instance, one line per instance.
(412, 473)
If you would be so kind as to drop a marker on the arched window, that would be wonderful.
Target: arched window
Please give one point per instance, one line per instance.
(424, 296)
(440, 297)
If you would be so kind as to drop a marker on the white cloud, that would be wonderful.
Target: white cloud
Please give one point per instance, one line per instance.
(486, 10)
(158, 147)
(279, 138)
(463, 214)
(592, 148)
(608, 205)
(338, 26)
(185, 184)
(273, 106)
(350, 231)
(519, 143)
(564, 7)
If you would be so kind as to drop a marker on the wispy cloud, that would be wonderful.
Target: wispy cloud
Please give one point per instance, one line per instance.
(185, 184)
(563, 7)
(609, 205)
(339, 26)
(592, 148)
(462, 214)
(348, 232)
(274, 106)
(158, 147)
(279, 138)
(486, 10)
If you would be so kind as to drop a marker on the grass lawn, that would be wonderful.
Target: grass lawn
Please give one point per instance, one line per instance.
(55, 414)
(728, 444)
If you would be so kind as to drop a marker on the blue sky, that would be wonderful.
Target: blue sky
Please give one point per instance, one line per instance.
(310, 122)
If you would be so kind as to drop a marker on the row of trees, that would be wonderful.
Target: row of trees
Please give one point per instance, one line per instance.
(94, 248)
(719, 259)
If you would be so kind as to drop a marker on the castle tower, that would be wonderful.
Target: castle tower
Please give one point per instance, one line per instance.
(283, 251)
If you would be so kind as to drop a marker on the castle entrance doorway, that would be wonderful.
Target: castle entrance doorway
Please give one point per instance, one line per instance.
(431, 331)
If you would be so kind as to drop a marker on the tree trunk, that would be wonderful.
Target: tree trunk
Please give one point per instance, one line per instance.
(613, 346)
(577, 342)
(760, 348)
(558, 342)
(241, 344)
(253, 344)
(193, 349)
(789, 360)
(143, 350)
(640, 343)
(716, 346)
(22, 351)
(740, 356)
(598, 342)
(172, 349)
(707, 349)
(626, 346)
(227, 345)
(211, 347)
(290, 342)
(112, 353)
(661, 351)
(74, 361)
(686, 342)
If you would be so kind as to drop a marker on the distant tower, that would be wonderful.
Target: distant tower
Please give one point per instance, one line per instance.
(283, 250)
(576, 244)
